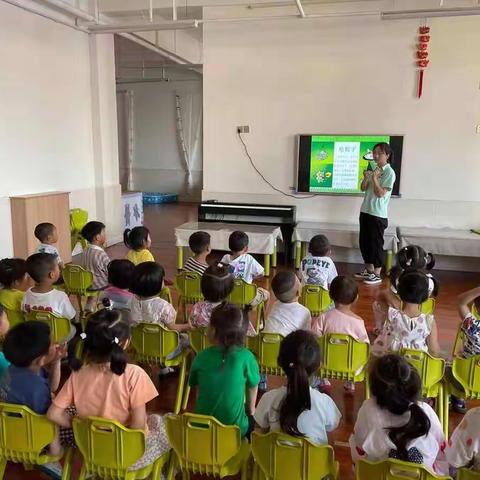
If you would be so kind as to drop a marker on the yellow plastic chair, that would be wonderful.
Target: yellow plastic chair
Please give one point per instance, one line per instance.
(282, 457)
(243, 294)
(61, 329)
(467, 372)
(344, 358)
(78, 282)
(203, 445)
(189, 290)
(393, 469)
(153, 343)
(166, 295)
(23, 438)
(266, 347)
(109, 449)
(431, 371)
(14, 317)
(316, 299)
(467, 474)
(78, 219)
(474, 311)
(428, 306)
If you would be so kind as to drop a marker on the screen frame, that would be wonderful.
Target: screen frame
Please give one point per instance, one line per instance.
(303, 175)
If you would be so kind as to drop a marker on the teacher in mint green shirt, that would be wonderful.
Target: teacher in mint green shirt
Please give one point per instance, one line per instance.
(377, 186)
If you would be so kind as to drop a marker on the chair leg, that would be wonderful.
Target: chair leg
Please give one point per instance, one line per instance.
(3, 464)
(171, 466)
(298, 254)
(67, 464)
(179, 258)
(366, 384)
(83, 473)
(446, 394)
(244, 471)
(186, 396)
(181, 384)
(266, 266)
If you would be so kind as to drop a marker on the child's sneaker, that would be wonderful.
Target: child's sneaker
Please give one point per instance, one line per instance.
(458, 405)
(362, 275)
(165, 371)
(324, 385)
(372, 279)
(349, 387)
(53, 470)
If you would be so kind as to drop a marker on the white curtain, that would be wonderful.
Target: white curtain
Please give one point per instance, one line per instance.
(126, 144)
(189, 131)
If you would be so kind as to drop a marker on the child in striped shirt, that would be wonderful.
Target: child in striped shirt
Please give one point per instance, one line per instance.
(199, 243)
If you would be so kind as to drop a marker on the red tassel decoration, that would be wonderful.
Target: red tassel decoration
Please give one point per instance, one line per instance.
(420, 83)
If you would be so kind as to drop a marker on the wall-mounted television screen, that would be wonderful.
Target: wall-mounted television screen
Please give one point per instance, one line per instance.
(334, 164)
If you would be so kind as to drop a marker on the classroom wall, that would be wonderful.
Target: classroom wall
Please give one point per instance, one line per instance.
(343, 75)
(58, 122)
(157, 161)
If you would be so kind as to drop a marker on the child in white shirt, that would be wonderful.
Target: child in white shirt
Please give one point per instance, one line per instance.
(243, 265)
(287, 315)
(406, 326)
(47, 235)
(298, 409)
(317, 268)
(394, 423)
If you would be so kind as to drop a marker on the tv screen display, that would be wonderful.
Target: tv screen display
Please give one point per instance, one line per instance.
(334, 164)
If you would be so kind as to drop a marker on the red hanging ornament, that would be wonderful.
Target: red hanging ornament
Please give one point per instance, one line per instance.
(421, 60)
(424, 38)
(422, 54)
(424, 29)
(422, 46)
(423, 63)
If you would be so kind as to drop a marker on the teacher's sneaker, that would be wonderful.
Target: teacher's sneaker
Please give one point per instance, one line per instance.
(362, 275)
(372, 279)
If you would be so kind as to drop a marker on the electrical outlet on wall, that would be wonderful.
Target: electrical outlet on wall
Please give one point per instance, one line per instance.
(243, 129)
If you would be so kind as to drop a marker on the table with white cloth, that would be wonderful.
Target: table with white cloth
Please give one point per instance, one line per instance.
(442, 241)
(262, 239)
(339, 235)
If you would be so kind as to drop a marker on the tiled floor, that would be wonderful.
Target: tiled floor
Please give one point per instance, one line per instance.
(162, 220)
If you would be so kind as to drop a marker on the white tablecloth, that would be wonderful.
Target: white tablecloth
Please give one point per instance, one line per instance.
(340, 234)
(262, 238)
(442, 241)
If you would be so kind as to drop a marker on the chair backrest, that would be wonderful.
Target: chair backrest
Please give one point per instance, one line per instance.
(166, 295)
(153, 342)
(282, 457)
(343, 357)
(78, 219)
(430, 369)
(188, 285)
(266, 347)
(14, 317)
(428, 306)
(60, 328)
(467, 373)
(394, 470)
(202, 444)
(474, 311)
(315, 298)
(23, 433)
(243, 293)
(467, 474)
(199, 339)
(77, 279)
(108, 448)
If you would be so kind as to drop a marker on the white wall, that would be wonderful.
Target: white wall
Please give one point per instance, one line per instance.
(344, 76)
(158, 164)
(53, 86)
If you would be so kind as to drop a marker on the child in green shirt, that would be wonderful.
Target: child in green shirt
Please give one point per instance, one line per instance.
(222, 372)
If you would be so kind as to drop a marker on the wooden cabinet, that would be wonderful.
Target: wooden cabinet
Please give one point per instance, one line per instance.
(30, 210)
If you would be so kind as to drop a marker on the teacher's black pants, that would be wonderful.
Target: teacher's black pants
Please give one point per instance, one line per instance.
(371, 238)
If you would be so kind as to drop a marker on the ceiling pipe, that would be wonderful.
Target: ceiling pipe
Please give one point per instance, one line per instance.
(142, 27)
(167, 65)
(430, 13)
(301, 11)
(70, 9)
(37, 10)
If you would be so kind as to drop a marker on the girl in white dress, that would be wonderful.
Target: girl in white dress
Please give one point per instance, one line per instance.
(393, 423)
(406, 326)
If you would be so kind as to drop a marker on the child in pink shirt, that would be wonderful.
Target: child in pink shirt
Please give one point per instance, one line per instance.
(341, 319)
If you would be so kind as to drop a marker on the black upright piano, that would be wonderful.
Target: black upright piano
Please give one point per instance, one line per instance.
(283, 216)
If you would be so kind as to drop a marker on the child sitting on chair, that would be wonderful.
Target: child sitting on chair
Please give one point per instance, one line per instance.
(44, 270)
(394, 423)
(287, 315)
(297, 409)
(224, 372)
(216, 285)
(34, 371)
(147, 306)
(15, 281)
(138, 241)
(243, 265)
(47, 235)
(120, 273)
(341, 319)
(107, 386)
(199, 243)
(317, 268)
(406, 326)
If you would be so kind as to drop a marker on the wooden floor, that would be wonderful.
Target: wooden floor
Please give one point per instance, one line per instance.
(161, 220)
